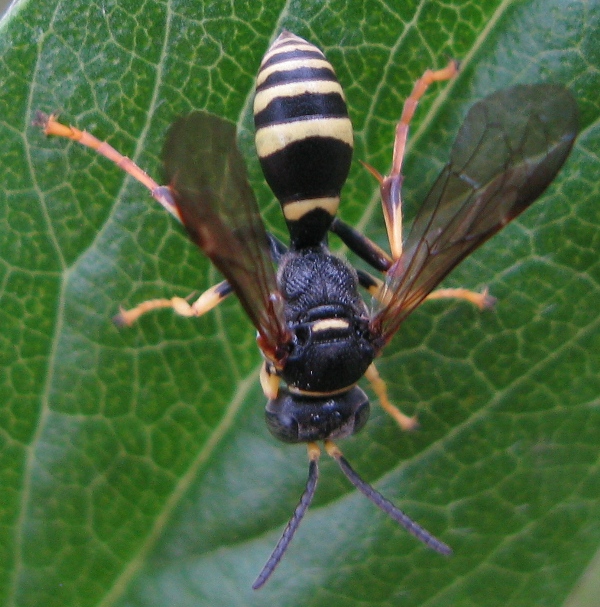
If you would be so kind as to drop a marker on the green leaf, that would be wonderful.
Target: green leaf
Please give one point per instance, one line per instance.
(135, 467)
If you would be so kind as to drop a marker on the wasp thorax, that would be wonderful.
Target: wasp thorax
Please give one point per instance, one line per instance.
(331, 345)
(328, 354)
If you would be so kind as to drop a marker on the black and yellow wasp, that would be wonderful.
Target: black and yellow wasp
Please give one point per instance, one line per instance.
(317, 335)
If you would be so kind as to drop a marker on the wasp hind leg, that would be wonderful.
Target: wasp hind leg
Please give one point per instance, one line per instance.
(206, 302)
(391, 185)
(379, 387)
(364, 247)
(162, 194)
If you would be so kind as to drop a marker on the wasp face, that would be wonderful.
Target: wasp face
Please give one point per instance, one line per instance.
(294, 418)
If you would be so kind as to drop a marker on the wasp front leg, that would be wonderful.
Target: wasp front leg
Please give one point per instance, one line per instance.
(375, 287)
(269, 381)
(379, 387)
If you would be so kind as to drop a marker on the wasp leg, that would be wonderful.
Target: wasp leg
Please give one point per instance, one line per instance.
(375, 286)
(369, 282)
(391, 185)
(482, 300)
(269, 381)
(206, 302)
(404, 421)
(364, 247)
(162, 194)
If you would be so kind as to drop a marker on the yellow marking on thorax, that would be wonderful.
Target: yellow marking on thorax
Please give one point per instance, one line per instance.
(295, 390)
(330, 323)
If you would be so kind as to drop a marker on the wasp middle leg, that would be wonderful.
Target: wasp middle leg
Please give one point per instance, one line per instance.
(180, 305)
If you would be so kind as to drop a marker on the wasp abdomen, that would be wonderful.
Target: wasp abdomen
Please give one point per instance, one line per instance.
(303, 135)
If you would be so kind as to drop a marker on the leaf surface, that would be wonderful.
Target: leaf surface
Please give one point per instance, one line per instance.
(135, 466)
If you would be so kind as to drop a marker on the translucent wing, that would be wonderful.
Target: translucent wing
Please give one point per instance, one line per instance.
(210, 185)
(509, 148)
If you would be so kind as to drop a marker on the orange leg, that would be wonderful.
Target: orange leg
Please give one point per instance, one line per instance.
(207, 301)
(391, 197)
(404, 421)
(269, 381)
(376, 289)
(482, 300)
(162, 194)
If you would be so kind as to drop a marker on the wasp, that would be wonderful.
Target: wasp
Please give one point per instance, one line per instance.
(317, 335)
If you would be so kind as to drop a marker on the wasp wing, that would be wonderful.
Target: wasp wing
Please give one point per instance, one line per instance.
(208, 177)
(507, 151)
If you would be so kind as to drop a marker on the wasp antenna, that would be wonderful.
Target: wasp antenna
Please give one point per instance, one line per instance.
(384, 504)
(292, 526)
